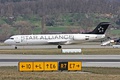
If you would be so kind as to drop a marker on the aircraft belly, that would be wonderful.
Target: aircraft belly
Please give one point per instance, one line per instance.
(37, 42)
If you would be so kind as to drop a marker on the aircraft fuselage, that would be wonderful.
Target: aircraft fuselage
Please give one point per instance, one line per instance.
(52, 38)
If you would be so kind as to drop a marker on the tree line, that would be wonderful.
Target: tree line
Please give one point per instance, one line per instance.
(46, 7)
(50, 11)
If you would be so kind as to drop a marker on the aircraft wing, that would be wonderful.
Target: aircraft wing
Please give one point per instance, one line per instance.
(57, 41)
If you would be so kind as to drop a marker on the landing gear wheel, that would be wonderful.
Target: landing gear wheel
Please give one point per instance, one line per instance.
(15, 47)
(59, 46)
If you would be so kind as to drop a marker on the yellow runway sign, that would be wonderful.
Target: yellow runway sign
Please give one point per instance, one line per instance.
(38, 66)
(63, 66)
(26, 66)
(75, 66)
(51, 66)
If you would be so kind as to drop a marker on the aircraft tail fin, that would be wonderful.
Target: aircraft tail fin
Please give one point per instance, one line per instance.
(101, 28)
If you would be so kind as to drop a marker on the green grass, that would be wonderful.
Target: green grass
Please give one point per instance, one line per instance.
(36, 30)
(92, 51)
(115, 32)
(50, 29)
(66, 28)
(101, 70)
(32, 51)
(57, 28)
(2, 22)
(101, 51)
(12, 73)
(68, 20)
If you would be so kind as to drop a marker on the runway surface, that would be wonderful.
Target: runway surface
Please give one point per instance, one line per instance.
(55, 46)
(87, 60)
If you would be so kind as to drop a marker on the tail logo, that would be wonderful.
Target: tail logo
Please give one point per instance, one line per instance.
(101, 29)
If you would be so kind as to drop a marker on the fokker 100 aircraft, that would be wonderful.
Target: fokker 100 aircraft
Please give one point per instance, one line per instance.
(97, 33)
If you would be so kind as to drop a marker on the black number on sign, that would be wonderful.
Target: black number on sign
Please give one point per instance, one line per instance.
(77, 66)
(47, 65)
(38, 66)
(28, 66)
(54, 66)
(72, 65)
(63, 65)
(51, 66)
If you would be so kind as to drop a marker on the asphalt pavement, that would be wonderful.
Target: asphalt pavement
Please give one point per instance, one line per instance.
(87, 60)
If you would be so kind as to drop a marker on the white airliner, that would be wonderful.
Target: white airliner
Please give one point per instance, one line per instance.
(97, 33)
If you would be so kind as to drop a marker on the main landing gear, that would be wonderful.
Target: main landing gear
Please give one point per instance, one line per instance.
(59, 46)
(15, 47)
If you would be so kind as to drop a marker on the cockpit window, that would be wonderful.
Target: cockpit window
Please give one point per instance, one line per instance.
(12, 38)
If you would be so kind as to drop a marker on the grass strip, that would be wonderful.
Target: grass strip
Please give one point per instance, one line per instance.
(11, 73)
(85, 51)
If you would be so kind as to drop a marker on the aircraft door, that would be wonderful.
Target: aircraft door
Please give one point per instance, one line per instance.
(17, 40)
(23, 39)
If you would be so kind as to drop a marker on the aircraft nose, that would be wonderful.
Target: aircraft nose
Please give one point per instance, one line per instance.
(8, 41)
